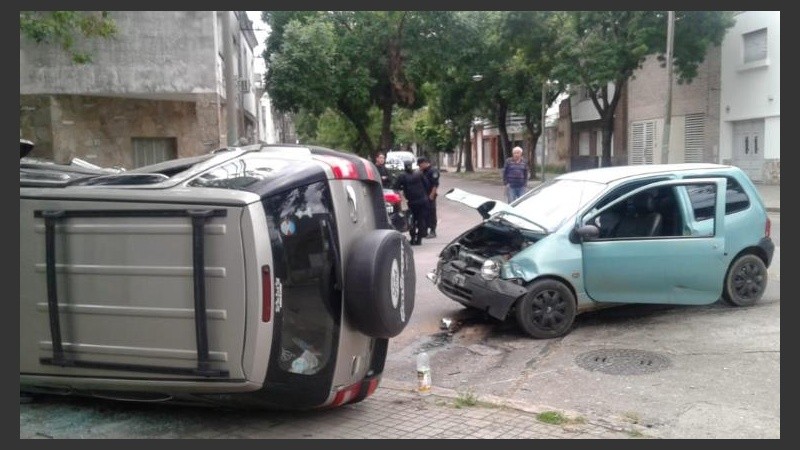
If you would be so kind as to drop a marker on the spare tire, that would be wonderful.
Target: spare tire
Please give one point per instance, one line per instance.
(380, 283)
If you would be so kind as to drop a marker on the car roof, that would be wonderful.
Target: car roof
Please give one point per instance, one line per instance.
(400, 153)
(610, 174)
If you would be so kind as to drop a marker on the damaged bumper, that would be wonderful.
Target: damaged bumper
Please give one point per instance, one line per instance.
(466, 286)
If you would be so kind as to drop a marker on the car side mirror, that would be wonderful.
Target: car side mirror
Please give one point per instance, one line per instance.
(584, 233)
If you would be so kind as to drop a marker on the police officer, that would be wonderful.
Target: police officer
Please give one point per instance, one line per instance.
(432, 175)
(414, 186)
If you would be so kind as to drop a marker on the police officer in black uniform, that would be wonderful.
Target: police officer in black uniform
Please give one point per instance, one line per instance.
(432, 175)
(414, 186)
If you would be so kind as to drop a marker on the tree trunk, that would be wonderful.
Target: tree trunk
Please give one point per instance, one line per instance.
(459, 158)
(530, 143)
(608, 131)
(606, 110)
(468, 152)
(386, 128)
(501, 115)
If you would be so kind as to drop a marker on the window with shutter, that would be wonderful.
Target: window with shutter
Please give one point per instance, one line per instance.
(643, 137)
(755, 45)
(694, 138)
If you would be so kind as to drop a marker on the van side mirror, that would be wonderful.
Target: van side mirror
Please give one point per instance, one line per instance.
(584, 233)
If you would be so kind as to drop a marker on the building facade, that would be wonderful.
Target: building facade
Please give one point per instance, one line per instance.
(580, 130)
(750, 96)
(694, 118)
(156, 91)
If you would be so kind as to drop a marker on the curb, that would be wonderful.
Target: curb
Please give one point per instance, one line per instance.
(774, 209)
(517, 405)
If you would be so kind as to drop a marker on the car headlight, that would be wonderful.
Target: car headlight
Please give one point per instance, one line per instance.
(490, 269)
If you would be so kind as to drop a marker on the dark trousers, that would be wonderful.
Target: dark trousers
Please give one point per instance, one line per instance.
(419, 219)
(432, 221)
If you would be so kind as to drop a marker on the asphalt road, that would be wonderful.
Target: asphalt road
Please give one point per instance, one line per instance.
(715, 370)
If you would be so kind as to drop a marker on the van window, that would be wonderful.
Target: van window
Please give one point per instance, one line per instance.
(302, 233)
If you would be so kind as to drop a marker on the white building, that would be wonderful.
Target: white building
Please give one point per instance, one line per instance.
(750, 97)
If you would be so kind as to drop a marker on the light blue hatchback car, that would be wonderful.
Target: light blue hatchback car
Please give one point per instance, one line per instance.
(672, 234)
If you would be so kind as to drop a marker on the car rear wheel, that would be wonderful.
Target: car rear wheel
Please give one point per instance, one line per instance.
(745, 281)
(547, 310)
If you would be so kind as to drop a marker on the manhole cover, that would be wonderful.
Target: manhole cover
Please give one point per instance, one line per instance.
(622, 361)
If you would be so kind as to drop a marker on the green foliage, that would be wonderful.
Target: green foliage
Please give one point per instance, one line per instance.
(465, 398)
(353, 61)
(63, 27)
(331, 129)
(551, 417)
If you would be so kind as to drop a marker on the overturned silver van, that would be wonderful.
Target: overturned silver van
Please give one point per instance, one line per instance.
(264, 276)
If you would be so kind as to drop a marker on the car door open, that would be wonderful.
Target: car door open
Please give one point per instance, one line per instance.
(646, 257)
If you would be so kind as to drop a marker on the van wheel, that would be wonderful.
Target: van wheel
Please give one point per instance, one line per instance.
(380, 284)
(745, 281)
(547, 310)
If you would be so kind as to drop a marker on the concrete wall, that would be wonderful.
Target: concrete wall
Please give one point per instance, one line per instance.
(647, 96)
(753, 90)
(100, 129)
(155, 53)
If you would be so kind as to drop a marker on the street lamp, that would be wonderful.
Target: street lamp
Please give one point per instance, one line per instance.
(477, 77)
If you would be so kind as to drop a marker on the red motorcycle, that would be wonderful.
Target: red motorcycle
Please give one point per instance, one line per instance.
(394, 209)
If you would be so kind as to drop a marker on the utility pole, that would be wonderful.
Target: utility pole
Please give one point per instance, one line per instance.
(668, 113)
(230, 79)
(542, 134)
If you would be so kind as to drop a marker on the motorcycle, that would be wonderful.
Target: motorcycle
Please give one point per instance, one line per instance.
(398, 217)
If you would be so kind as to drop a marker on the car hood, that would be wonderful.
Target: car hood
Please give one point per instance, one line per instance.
(484, 205)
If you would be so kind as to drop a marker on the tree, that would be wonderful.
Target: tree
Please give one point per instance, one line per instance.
(601, 48)
(61, 27)
(367, 58)
(531, 38)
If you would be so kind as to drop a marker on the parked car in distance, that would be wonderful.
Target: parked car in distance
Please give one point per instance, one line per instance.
(685, 234)
(396, 160)
(265, 276)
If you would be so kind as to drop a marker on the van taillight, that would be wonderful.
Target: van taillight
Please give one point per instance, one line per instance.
(342, 168)
(346, 395)
(362, 389)
(266, 294)
(768, 228)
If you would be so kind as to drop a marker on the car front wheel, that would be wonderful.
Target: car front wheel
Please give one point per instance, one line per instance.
(547, 310)
(745, 281)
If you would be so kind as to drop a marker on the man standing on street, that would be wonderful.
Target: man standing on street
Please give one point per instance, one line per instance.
(515, 175)
(414, 186)
(380, 163)
(432, 175)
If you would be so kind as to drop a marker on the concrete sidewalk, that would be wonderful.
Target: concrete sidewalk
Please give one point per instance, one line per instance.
(394, 411)
(771, 195)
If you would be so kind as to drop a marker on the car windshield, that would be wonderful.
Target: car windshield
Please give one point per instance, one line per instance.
(550, 204)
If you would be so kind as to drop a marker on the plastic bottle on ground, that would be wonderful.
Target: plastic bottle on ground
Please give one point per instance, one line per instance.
(423, 373)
